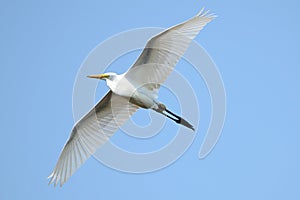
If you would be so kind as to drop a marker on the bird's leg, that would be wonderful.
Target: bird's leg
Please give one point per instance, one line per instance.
(179, 120)
(172, 114)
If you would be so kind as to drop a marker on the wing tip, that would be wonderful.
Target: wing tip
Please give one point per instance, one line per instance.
(55, 180)
(206, 14)
(51, 177)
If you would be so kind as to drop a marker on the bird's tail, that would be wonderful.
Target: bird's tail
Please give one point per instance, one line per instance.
(179, 120)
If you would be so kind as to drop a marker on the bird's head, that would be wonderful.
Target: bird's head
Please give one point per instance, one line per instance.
(109, 76)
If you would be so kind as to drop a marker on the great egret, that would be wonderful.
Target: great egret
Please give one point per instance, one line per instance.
(129, 91)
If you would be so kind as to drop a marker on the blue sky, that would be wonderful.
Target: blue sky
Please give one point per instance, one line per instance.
(255, 46)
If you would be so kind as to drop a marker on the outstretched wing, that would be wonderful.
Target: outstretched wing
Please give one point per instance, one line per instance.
(164, 50)
(92, 131)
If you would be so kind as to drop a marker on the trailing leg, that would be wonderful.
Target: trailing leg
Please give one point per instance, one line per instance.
(179, 120)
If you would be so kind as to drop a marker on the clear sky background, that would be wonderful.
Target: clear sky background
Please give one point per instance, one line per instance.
(255, 45)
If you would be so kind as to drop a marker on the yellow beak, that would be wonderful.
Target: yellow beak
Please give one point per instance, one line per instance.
(99, 76)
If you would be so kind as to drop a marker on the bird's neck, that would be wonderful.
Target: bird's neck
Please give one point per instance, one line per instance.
(118, 82)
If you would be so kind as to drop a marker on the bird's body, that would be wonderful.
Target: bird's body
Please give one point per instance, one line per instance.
(136, 88)
(125, 87)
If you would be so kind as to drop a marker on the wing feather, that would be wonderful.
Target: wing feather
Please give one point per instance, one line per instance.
(92, 131)
(164, 50)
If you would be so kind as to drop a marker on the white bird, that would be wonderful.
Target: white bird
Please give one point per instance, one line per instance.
(129, 91)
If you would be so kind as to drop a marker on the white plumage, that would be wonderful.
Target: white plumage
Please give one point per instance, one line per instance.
(136, 88)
